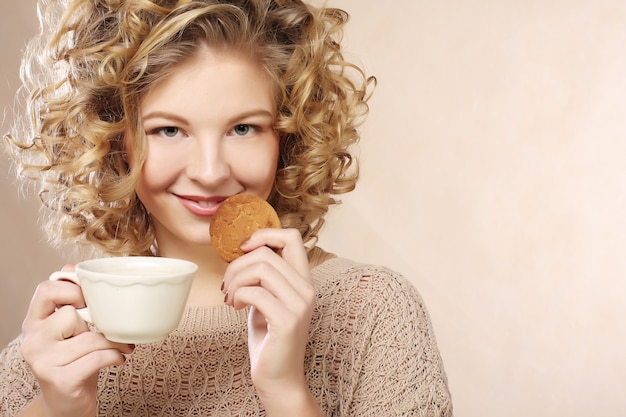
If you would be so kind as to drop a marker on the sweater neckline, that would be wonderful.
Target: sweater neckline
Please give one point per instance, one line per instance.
(199, 320)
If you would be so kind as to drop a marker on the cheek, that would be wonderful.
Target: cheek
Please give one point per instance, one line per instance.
(255, 168)
(157, 172)
(262, 167)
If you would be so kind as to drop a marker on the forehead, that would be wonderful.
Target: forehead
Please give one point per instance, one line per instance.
(214, 72)
(211, 89)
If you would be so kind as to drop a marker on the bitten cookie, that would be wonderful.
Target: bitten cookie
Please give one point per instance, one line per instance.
(236, 219)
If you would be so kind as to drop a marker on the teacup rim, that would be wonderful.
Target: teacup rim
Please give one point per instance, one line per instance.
(190, 268)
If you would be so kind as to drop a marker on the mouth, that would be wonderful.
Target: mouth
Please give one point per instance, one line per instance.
(203, 203)
(199, 205)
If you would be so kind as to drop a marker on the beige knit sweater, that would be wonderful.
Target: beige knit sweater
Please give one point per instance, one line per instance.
(372, 352)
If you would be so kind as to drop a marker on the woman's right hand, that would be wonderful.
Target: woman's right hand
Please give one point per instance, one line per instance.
(62, 353)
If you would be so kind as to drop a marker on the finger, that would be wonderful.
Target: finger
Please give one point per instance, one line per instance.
(58, 354)
(96, 360)
(275, 317)
(48, 359)
(288, 241)
(63, 324)
(60, 369)
(261, 273)
(92, 350)
(265, 303)
(51, 294)
(299, 276)
(264, 268)
(74, 331)
(85, 344)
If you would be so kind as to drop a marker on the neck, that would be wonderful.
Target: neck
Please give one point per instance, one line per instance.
(206, 287)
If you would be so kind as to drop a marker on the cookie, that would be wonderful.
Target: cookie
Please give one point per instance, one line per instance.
(236, 219)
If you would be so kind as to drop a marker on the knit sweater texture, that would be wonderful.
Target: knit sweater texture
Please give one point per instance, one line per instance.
(371, 352)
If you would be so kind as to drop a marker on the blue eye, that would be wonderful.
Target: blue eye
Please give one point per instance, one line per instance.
(166, 132)
(242, 130)
(169, 131)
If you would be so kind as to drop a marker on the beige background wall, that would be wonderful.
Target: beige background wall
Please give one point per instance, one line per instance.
(493, 177)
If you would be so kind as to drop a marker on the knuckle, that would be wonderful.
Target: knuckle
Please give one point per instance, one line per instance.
(309, 293)
(261, 268)
(66, 313)
(264, 251)
(44, 290)
(99, 356)
(293, 235)
(93, 340)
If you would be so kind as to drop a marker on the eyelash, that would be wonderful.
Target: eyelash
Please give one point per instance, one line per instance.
(161, 131)
(248, 126)
(175, 131)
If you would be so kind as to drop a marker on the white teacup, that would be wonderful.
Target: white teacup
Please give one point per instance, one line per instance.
(133, 299)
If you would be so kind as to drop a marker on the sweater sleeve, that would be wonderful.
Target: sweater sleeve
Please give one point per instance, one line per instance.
(18, 386)
(402, 370)
(384, 359)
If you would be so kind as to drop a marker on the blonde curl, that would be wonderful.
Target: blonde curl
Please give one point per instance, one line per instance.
(84, 76)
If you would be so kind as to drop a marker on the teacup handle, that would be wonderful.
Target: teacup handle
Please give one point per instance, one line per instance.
(71, 276)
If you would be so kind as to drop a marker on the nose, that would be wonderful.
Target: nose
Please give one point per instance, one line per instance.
(207, 162)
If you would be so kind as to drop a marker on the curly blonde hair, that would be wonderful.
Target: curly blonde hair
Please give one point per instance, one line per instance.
(85, 73)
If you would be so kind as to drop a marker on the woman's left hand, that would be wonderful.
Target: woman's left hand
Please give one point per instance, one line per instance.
(274, 278)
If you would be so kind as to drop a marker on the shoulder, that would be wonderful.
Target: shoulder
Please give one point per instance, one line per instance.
(376, 317)
(340, 277)
(376, 293)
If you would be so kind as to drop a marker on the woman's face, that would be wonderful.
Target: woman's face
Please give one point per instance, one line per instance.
(210, 135)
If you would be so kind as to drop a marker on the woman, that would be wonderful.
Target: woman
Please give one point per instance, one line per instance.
(145, 116)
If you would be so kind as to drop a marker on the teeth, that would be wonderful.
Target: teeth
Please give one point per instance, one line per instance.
(205, 204)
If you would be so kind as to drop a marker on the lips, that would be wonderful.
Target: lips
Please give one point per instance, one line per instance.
(200, 206)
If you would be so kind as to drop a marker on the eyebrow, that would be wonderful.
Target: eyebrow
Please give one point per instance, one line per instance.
(252, 113)
(164, 115)
(182, 120)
